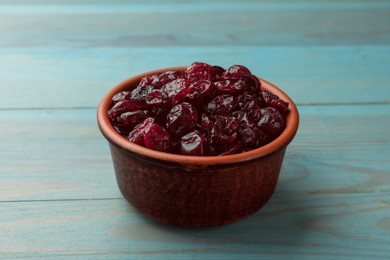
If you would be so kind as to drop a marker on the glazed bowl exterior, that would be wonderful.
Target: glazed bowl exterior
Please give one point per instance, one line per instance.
(195, 190)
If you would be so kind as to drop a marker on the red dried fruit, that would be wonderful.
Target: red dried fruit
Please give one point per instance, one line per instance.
(137, 134)
(157, 138)
(200, 91)
(176, 91)
(182, 119)
(271, 121)
(198, 71)
(221, 105)
(274, 101)
(192, 143)
(132, 118)
(166, 77)
(236, 72)
(205, 109)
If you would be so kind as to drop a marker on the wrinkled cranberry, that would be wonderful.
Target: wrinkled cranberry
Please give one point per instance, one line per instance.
(217, 72)
(224, 130)
(271, 121)
(147, 81)
(274, 101)
(182, 118)
(221, 105)
(166, 77)
(236, 72)
(204, 111)
(198, 71)
(122, 107)
(248, 102)
(132, 118)
(176, 91)
(157, 138)
(156, 97)
(140, 93)
(137, 134)
(124, 95)
(206, 123)
(192, 143)
(200, 91)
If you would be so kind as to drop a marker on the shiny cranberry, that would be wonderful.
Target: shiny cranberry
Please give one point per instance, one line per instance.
(157, 138)
(236, 72)
(231, 149)
(121, 107)
(199, 71)
(132, 118)
(137, 134)
(274, 101)
(200, 91)
(217, 72)
(166, 77)
(156, 97)
(224, 130)
(271, 122)
(176, 91)
(124, 95)
(182, 119)
(221, 105)
(147, 80)
(192, 143)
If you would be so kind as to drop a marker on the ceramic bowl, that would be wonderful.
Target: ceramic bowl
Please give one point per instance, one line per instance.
(195, 190)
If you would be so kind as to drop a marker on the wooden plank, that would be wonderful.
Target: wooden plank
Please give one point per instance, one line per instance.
(42, 78)
(60, 154)
(193, 23)
(352, 226)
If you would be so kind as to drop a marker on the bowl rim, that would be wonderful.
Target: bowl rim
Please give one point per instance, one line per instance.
(112, 136)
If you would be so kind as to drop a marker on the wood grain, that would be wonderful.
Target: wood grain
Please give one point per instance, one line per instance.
(100, 24)
(301, 226)
(62, 78)
(60, 154)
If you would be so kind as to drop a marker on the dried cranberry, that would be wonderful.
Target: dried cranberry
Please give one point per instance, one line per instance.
(166, 77)
(176, 91)
(182, 118)
(157, 138)
(147, 80)
(122, 107)
(124, 95)
(140, 93)
(137, 134)
(200, 91)
(271, 122)
(221, 105)
(132, 118)
(192, 143)
(274, 101)
(199, 71)
(236, 72)
(224, 130)
(156, 97)
(217, 72)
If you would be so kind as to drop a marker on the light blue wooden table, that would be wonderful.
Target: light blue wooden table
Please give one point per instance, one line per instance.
(58, 194)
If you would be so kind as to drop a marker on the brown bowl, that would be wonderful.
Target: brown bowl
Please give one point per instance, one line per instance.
(195, 190)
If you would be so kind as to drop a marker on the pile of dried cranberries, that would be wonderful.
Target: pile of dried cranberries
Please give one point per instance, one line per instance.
(203, 111)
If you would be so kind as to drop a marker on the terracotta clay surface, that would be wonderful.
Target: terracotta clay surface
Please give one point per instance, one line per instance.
(193, 190)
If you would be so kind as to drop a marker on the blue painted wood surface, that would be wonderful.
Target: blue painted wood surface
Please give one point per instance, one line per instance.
(58, 195)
